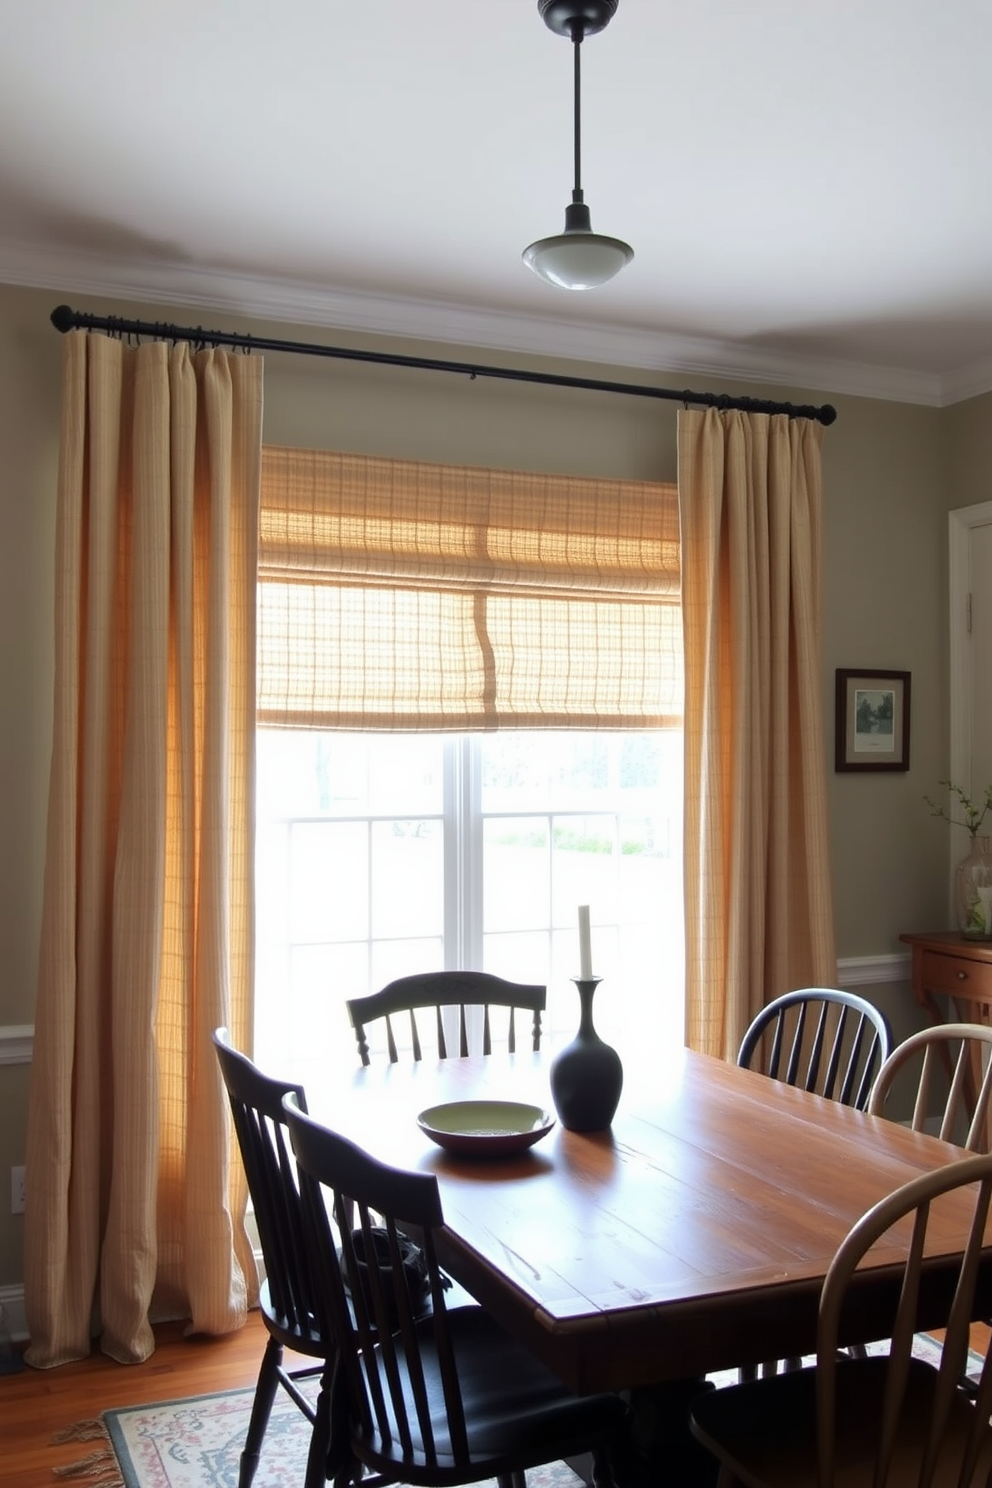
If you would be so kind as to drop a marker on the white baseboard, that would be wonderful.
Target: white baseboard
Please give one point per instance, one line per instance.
(16, 1045)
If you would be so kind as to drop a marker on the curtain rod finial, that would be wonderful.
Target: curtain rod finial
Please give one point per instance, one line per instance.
(63, 318)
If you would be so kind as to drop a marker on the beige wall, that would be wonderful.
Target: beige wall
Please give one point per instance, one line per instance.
(966, 451)
(891, 473)
(885, 606)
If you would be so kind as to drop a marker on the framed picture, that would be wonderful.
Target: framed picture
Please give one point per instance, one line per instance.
(872, 720)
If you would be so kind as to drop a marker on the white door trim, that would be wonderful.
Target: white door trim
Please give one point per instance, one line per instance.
(961, 523)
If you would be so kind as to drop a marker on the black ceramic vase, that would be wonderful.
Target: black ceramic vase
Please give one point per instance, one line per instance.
(586, 1076)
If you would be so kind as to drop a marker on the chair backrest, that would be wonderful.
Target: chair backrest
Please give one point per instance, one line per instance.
(957, 1056)
(260, 1125)
(943, 1435)
(822, 1039)
(436, 991)
(385, 1335)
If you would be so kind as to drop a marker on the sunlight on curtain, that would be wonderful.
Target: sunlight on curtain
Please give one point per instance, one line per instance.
(148, 918)
(758, 898)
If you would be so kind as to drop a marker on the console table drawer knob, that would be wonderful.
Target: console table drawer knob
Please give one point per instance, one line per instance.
(951, 965)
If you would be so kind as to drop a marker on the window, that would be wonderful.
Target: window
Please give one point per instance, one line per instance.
(470, 722)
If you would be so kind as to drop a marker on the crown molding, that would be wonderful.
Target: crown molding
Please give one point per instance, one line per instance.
(45, 266)
(966, 382)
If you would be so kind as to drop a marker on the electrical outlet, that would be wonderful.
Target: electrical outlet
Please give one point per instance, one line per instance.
(17, 1190)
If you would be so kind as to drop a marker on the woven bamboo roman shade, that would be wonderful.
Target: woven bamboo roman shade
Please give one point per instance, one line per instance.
(400, 595)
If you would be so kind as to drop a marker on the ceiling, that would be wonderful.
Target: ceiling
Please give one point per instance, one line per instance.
(806, 186)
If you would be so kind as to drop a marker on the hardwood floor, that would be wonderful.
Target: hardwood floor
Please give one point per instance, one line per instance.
(35, 1404)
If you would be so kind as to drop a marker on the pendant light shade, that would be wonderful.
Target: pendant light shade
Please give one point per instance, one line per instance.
(577, 258)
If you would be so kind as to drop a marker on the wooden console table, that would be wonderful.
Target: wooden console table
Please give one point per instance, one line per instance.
(946, 962)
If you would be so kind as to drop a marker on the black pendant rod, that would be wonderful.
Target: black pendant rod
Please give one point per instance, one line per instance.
(577, 112)
(66, 319)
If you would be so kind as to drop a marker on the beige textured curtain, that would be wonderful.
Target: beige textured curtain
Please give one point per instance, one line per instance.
(148, 920)
(758, 904)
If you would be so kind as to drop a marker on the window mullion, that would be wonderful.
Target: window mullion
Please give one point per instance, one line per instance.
(472, 755)
(463, 906)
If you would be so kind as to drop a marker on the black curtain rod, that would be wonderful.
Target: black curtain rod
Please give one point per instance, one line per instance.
(66, 319)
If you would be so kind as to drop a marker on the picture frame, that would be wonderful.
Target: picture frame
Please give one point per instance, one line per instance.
(872, 719)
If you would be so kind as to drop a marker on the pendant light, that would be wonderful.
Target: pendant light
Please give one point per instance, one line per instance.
(577, 258)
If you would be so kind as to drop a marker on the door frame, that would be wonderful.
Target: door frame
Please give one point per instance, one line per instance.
(961, 524)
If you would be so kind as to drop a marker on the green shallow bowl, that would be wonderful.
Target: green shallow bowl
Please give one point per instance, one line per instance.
(485, 1128)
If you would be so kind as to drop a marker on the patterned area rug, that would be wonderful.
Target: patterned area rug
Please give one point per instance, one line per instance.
(196, 1443)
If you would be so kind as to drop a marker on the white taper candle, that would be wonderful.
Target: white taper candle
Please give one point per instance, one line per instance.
(585, 945)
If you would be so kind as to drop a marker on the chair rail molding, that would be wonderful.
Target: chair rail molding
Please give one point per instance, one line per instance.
(866, 971)
(16, 1043)
(17, 1039)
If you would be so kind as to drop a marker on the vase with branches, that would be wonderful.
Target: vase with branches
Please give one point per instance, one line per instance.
(973, 875)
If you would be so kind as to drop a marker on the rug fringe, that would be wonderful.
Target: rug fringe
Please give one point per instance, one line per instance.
(100, 1469)
(83, 1431)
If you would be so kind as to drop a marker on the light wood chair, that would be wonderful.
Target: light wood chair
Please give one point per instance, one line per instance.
(820, 1039)
(286, 1297)
(428, 1397)
(958, 1054)
(434, 992)
(889, 1419)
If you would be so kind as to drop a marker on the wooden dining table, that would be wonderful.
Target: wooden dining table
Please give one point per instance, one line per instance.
(693, 1235)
